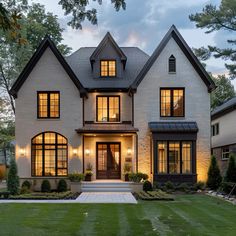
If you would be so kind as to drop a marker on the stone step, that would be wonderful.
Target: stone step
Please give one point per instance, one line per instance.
(106, 190)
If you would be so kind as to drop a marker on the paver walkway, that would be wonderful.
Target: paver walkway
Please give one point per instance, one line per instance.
(106, 197)
(87, 197)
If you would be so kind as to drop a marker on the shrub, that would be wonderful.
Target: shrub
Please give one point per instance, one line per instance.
(45, 186)
(184, 187)
(76, 177)
(26, 184)
(62, 186)
(24, 190)
(13, 179)
(147, 186)
(231, 170)
(169, 185)
(137, 177)
(199, 185)
(214, 176)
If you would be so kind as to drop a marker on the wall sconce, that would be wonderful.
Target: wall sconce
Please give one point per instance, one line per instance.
(22, 152)
(75, 151)
(129, 151)
(87, 152)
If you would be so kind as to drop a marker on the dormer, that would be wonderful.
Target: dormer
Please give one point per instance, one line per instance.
(108, 60)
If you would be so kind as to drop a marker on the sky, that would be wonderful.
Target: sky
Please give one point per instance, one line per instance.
(143, 24)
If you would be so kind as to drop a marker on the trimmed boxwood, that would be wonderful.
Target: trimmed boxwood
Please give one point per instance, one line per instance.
(26, 184)
(45, 186)
(147, 186)
(62, 186)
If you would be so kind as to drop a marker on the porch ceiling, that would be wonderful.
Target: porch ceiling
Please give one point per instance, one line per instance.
(106, 128)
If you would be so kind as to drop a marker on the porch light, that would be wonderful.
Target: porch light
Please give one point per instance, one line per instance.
(22, 151)
(75, 151)
(87, 152)
(129, 151)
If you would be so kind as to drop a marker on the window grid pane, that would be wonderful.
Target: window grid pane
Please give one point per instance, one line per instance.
(108, 68)
(174, 157)
(49, 155)
(162, 157)
(186, 157)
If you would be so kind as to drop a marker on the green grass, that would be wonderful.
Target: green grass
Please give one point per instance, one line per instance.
(187, 215)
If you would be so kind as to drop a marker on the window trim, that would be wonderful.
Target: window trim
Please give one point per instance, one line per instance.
(108, 76)
(222, 153)
(193, 157)
(107, 96)
(48, 104)
(172, 57)
(215, 127)
(43, 155)
(171, 102)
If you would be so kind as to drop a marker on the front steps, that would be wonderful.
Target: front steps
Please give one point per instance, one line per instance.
(106, 186)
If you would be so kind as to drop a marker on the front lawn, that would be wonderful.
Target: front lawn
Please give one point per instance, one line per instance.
(187, 215)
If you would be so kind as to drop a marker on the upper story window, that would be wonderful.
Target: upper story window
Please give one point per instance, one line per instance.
(108, 108)
(172, 64)
(172, 102)
(48, 104)
(215, 129)
(107, 68)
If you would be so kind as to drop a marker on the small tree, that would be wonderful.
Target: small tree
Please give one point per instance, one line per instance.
(214, 177)
(13, 179)
(231, 171)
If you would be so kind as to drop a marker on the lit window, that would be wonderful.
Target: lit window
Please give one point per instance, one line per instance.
(172, 64)
(108, 68)
(172, 102)
(49, 155)
(108, 108)
(48, 104)
(174, 157)
(225, 153)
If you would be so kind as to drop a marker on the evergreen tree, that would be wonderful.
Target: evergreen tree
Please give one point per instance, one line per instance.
(13, 179)
(231, 171)
(214, 177)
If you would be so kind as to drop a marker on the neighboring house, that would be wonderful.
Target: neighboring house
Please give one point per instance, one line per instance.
(109, 106)
(223, 132)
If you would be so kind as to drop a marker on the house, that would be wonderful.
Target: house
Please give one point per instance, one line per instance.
(223, 132)
(111, 106)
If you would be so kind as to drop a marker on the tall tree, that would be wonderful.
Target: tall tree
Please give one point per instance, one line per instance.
(79, 12)
(35, 23)
(223, 92)
(216, 19)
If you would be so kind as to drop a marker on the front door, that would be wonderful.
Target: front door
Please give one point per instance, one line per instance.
(108, 160)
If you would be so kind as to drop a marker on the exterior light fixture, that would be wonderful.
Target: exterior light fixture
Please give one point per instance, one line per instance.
(87, 152)
(75, 151)
(22, 152)
(129, 151)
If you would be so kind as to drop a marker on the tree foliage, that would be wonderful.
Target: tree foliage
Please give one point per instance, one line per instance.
(215, 19)
(13, 178)
(223, 92)
(79, 11)
(214, 177)
(231, 170)
(35, 23)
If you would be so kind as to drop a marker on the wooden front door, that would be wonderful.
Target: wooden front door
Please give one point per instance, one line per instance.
(108, 161)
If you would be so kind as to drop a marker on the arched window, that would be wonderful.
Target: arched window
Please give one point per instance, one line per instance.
(172, 64)
(49, 154)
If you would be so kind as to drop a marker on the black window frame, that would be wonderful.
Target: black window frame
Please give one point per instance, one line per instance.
(215, 129)
(48, 104)
(193, 157)
(172, 59)
(108, 76)
(107, 96)
(172, 100)
(33, 170)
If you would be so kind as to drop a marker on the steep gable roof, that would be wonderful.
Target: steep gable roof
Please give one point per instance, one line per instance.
(108, 38)
(174, 33)
(47, 42)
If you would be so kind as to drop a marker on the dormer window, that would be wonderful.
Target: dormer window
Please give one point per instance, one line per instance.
(107, 68)
(172, 64)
